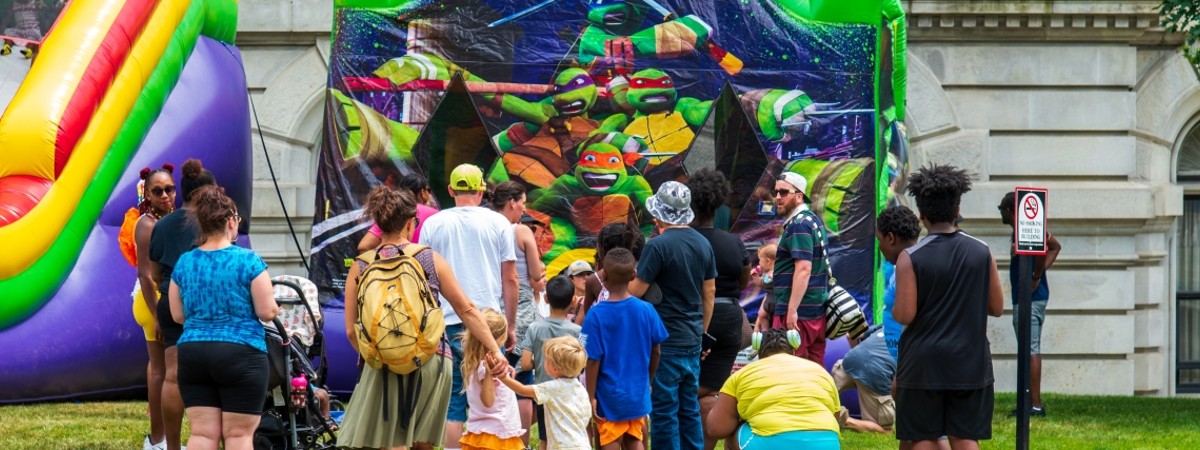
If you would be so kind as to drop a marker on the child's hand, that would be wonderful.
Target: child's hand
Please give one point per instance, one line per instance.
(595, 411)
(497, 365)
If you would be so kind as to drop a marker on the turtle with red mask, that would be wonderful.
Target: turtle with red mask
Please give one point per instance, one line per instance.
(665, 122)
(601, 190)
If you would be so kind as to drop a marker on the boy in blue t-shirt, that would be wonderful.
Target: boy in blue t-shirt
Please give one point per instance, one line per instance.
(622, 336)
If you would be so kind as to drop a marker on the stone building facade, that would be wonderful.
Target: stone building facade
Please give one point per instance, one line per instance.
(1089, 99)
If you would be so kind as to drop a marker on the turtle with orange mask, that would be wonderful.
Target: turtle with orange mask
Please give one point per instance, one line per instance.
(600, 190)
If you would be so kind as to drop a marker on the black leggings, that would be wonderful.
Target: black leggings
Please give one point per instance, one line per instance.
(230, 377)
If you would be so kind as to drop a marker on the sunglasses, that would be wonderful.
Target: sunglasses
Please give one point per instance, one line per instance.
(160, 191)
(784, 192)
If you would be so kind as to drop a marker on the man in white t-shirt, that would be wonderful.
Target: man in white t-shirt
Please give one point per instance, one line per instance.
(478, 244)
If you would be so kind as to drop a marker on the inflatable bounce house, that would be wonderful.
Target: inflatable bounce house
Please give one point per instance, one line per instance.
(115, 86)
(592, 104)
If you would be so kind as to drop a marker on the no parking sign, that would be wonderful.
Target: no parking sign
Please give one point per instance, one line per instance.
(1030, 214)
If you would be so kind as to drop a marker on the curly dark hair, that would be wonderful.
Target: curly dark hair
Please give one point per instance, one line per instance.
(212, 209)
(391, 209)
(709, 191)
(414, 183)
(899, 221)
(938, 190)
(619, 235)
(774, 341)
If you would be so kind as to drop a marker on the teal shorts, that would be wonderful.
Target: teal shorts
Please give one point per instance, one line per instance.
(808, 440)
(1038, 307)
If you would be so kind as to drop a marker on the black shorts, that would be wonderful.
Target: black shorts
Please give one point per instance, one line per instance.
(930, 414)
(539, 413)
(166, 324)
(726, 327)
(222, 375)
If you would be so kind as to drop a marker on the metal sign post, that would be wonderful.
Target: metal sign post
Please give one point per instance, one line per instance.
(1029, 216)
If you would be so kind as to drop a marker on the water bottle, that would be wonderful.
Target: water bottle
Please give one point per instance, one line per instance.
(299, 389)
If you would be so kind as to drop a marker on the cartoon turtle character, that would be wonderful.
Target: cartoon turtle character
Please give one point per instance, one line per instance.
(600, 191)
(535, 150)
(663, 120)
(615, 37)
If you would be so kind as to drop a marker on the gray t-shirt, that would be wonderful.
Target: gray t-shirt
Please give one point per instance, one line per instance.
(536, 336)
(870, 363)
(474, 242)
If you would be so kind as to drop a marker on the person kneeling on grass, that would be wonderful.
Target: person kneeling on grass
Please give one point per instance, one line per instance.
(785, 401)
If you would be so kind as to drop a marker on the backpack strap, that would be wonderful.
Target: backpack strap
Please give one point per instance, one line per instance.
(412, 249)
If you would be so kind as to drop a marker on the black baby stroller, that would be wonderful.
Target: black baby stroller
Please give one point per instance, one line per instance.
(292, 418)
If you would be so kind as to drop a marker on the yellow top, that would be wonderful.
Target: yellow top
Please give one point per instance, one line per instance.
(784, 393)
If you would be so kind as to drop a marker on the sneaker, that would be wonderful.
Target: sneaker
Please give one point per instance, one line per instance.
(159, 446)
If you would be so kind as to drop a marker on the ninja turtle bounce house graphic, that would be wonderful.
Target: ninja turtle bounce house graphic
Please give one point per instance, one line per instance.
(594, 104)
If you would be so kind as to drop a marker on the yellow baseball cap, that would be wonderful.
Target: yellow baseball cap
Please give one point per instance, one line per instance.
(467, 177)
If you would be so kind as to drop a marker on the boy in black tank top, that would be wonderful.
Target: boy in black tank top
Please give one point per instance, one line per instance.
(946, 286)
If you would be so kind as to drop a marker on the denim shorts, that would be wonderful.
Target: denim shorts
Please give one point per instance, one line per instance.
(1035, 325)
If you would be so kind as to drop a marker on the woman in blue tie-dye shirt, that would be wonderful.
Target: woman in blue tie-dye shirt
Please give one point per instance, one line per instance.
(219, 292)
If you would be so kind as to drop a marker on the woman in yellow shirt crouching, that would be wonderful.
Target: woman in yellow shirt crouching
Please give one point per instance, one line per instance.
(780, 400)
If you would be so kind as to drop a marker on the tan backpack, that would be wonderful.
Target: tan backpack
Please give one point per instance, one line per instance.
(400, 322)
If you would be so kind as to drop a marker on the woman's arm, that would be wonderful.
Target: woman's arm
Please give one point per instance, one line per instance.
(149, 273)
(533, 258)
(264, 297)
(995, 292)
(723, 419)
(487, 388)
(905, 308)
(351, 301)
(472, 318)
(591, 293)
(368, 241)
(176, 303)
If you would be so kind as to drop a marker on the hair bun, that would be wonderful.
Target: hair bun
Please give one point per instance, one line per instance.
(192, 168)
(144, 173)
(170, 168)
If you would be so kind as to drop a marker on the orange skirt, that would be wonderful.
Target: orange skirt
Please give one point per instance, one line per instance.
(611, 431)
(484, 441)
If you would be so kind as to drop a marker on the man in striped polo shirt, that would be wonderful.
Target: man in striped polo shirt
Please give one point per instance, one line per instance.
(801, 269)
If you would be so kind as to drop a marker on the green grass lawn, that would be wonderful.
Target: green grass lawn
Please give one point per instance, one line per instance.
(1073, 422)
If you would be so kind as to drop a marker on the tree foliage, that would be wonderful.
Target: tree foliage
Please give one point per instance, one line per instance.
(1183, 16)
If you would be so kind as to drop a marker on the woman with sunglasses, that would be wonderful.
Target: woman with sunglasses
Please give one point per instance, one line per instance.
(157, 194)
(173, 236)
(220, 292)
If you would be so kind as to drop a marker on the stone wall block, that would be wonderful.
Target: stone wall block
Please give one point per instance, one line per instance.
(1074, 290)
(1161, 89)
(1073, 376)
(1042, 155)
(1051, 109)
(929, 109)
(1069, 334)
(964, 149)
(1012, 65)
